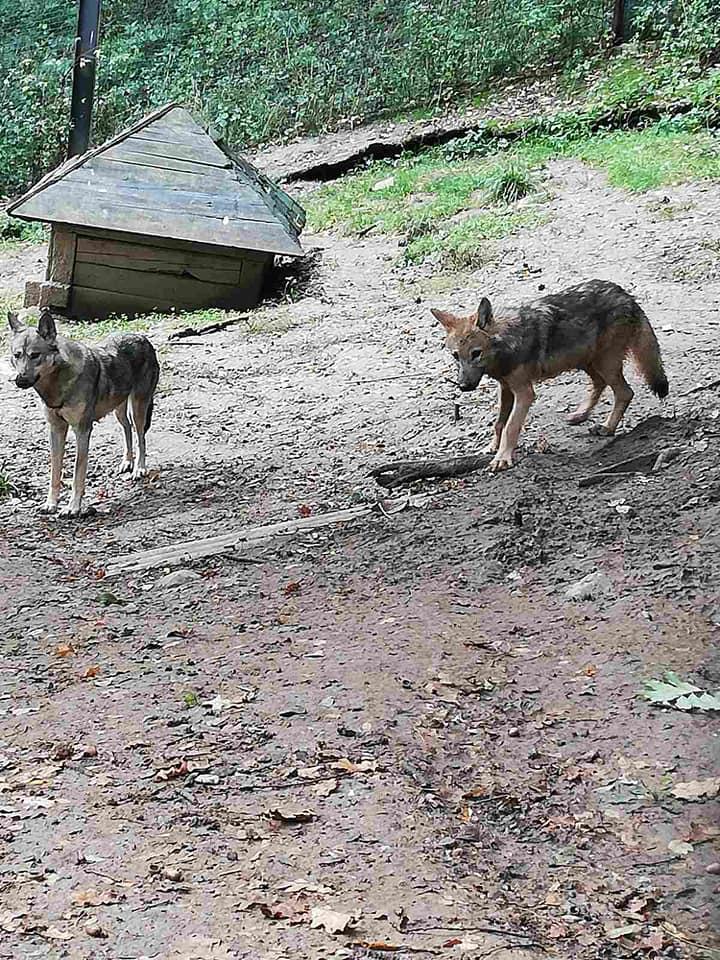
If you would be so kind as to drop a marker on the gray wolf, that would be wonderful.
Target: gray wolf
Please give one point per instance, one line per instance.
(79, 385)
(592, 327)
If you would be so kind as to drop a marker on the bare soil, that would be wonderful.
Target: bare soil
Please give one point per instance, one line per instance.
(402, 719)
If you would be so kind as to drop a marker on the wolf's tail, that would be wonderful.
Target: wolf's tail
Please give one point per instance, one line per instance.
(646, 353)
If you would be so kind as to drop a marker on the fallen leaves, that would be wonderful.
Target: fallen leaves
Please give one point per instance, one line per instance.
(674, 692)
(331, 920)
(289, 814)
(95, 898)
(680, 848)
(64, 650)
(697, 789)
(178, 770)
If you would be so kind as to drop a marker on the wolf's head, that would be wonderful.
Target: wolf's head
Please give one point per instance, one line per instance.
(33, 353)
(469, 340)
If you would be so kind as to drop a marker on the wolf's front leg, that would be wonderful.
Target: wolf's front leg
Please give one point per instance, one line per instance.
(505, 405)
(58, 433)
(82, 437)
(523, 398)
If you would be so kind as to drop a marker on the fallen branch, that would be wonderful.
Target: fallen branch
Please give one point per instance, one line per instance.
(210, 328)
(188, 550)
(644, 463)
(394, 474)
(712, 385)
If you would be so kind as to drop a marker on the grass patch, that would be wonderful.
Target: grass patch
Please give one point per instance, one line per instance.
(13, 231)
(6, 486)
(417, 197)
(647, 159)
(465, 245)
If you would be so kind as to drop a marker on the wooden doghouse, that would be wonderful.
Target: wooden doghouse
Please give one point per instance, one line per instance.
(161, 217)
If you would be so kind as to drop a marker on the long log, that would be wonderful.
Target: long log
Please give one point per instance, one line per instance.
(189, 550)
(398, 472)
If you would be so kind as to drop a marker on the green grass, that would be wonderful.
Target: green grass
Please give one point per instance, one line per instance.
(13, 232)
(465, 245)
(419, 198)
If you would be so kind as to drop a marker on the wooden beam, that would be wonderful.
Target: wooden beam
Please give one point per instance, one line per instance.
(228, 542)
(61, 254)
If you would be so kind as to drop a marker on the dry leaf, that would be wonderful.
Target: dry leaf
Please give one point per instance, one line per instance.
(89, 673)
(94, 898)
(680, 848)
(173, 773)
(64, 649)
(697, 789)
(331, 920)
(291, 588)
(325, 788)
(377, 945)
(289, 815)
(53, 933)
(294, 911)
(615, 933)
(347, 766)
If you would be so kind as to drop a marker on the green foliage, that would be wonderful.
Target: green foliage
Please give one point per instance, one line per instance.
(18, 231)
(464, 245)
(509, 181)
(262, 69)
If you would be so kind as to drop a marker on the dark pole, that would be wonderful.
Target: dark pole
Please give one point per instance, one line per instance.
(618, 23)
(83, 88)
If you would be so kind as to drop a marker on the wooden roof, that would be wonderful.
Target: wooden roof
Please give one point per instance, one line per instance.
(168, 177)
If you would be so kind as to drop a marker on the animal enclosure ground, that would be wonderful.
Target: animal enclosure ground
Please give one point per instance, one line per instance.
(402, 720)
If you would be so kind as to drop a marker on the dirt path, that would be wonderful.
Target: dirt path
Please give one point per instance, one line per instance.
(473, 769)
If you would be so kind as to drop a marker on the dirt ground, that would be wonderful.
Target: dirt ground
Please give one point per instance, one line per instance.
(402, 719)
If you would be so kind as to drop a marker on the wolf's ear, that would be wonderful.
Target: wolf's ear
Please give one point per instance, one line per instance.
(484, 313)
(46, 326)
(446, 319)
(14, 322)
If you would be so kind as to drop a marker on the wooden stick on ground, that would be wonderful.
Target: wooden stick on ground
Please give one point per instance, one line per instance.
(188, 550)
(394, 474)
(210, 328)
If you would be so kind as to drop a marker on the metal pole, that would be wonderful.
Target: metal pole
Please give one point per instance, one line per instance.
(618, 23)
(83, 87)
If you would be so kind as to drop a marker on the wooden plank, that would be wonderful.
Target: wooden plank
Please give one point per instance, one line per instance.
(90, 304)
(112, 237)
(110, 175)
(55, 205)
(149, 158)
(241, 205)
(207, 274)
(61, 254)
(205, 151)
(175, 289)
(171, 201)
(227, 542)
(90, 249)
(198, 178)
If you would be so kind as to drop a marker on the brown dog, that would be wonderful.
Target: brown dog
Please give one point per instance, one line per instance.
(590, 327)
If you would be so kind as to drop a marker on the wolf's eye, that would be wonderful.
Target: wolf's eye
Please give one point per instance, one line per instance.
(34, 356)
(456, 355)
(475, 354)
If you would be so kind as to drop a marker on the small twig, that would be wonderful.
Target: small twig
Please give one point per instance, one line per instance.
(493, 930)
(210, 328)
(713, 385)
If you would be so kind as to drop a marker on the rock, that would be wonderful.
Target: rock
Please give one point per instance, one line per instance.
(591, 587)
(177, 578)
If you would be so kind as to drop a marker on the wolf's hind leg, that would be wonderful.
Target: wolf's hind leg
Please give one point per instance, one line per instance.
(126, 464)
(139, 415)
(588, 405)
(623, 395)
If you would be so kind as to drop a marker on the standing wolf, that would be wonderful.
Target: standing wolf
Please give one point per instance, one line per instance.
(590, 327)
(79, 385)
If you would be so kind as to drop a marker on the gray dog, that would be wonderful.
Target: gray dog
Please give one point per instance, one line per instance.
(79, 385)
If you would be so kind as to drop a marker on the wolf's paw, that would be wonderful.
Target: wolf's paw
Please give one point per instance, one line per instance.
(126, 466)
(499, 463)
(577, 418)
(139, 472)
(73, 509)
(600, 430)
(491, 447)
(50, 506)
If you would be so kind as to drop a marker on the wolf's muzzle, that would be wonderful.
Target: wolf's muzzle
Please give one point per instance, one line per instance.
(23, 382)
